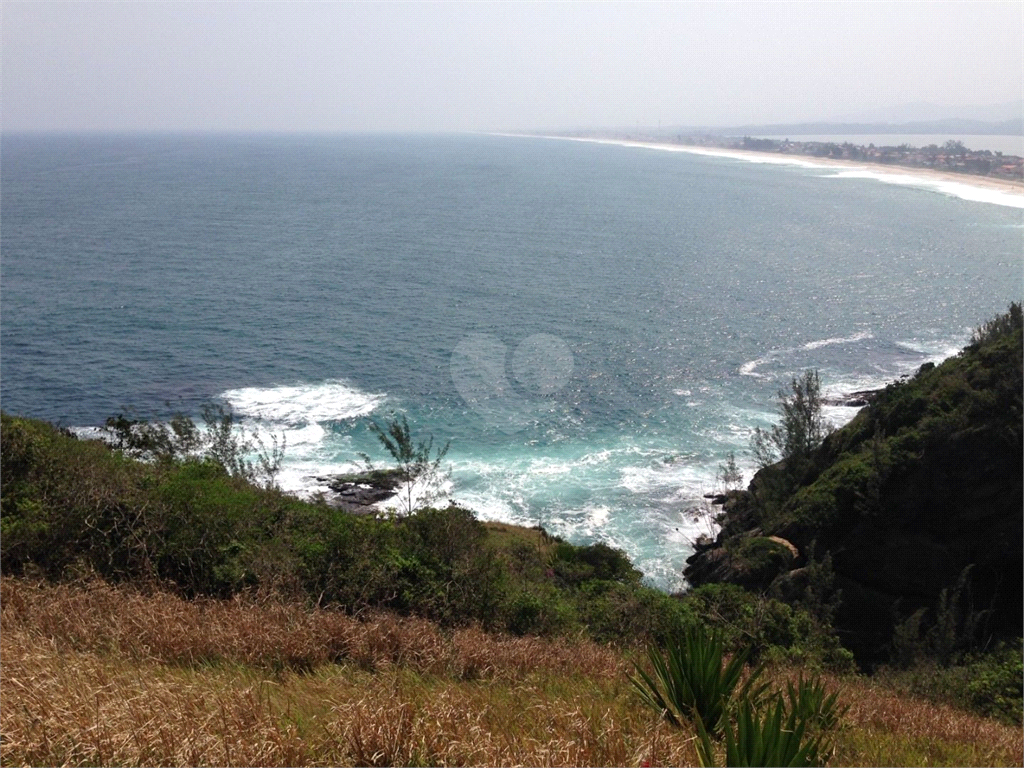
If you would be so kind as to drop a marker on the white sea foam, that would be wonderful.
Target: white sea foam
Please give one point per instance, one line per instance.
(934, 352)
(91, 433)
(750, 368)
(962, 189)
(298, 476)
(691, 477)
(598, 516)
(838, 340)
(311, 435)
(303, 403)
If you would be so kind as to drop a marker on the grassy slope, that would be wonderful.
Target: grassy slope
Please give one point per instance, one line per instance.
(94, 674)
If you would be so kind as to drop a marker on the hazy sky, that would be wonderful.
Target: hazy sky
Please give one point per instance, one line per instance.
(492, 66)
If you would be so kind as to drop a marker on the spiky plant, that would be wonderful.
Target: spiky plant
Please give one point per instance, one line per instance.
(690, 680)
(813, 704)
(775, 738)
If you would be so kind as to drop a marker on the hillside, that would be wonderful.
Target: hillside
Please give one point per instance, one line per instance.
(102, 675)
(916, 503)
(168, 609)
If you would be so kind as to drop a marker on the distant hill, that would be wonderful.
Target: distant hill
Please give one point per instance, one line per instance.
(1005, 119)
(955, 125)
(923, 112)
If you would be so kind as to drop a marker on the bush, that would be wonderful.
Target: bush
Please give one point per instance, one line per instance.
(574, 565)
(989, 683)
(775, 632)
(613, 611)
(996, 686)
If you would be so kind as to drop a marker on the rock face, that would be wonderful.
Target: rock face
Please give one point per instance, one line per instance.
(853, 399)
(359, 492)
(751, 561)
(926, 481)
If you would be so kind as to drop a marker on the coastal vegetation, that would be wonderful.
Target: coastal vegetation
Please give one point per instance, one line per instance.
(915, 504)
(163, 602)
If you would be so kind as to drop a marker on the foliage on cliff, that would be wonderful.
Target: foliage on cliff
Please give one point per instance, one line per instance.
(917, 504)
(70, 506)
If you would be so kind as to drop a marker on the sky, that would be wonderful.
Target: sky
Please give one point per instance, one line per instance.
(493, 66)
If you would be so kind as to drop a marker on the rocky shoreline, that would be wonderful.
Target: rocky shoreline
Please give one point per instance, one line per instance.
(358, 493)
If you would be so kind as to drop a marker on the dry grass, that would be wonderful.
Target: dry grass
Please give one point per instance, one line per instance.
(98, 675)
(265, 632)
(881, 723)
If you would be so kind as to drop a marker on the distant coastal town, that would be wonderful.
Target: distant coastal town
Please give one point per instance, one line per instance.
(951, 157)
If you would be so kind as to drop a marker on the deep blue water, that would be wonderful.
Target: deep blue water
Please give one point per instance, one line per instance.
(594, 327)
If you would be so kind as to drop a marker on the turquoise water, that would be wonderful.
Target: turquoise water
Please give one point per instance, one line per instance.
(593, 326)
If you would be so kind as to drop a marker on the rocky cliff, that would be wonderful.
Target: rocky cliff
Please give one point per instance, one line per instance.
(922, 487)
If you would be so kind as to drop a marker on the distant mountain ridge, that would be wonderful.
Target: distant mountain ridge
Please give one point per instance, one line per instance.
(921, 112)
(1012, 127)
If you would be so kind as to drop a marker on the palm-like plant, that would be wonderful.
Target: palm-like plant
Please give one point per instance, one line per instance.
(810, 701)
(690, 681)
(775, 738)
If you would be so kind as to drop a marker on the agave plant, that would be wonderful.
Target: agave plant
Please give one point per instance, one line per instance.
(775, 738)
(809, 701)
(690, 682)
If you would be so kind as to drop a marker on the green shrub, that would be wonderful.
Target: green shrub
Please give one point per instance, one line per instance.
(775, 632)
(996, 683)
(612, 611)
(539, 610)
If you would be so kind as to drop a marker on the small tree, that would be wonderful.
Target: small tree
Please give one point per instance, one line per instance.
(729, 475)
(241, 453)
(801, 431)
(419, 464)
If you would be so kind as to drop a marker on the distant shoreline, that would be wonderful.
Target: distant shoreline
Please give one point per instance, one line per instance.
(903, 174)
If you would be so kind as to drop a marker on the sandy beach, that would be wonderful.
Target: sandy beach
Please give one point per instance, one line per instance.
(985, 182)
(969, 187)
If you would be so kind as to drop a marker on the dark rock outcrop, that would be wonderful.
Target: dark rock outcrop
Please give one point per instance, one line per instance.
(359, 492)
(751, 561)
(853, 399)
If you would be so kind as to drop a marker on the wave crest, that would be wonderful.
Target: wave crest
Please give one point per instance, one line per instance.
(303, 403)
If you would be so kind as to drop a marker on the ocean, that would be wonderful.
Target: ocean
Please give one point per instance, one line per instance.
(593, 326)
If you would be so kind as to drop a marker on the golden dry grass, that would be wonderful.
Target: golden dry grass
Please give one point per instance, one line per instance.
(266, 632)
(97, 675)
